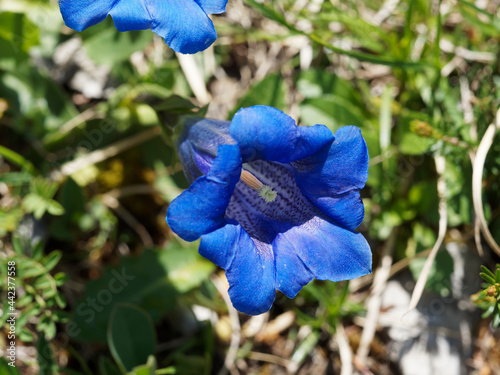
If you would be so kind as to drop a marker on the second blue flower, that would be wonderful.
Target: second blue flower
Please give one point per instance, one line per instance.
(184, 24)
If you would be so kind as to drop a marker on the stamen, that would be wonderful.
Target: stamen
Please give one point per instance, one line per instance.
(250, 180)
(265, 192)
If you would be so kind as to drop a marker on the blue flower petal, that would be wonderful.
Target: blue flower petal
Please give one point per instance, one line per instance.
(80, 14)
(197, 144)
(185, 27)
(249, 266)
(131, 15)
(319, 249)
(291, 271)
(183, 24)
(346, 209)
(213, 6)
(200, 209)
(267, 133)
(335, 170)
(220, 245)
(251, 276)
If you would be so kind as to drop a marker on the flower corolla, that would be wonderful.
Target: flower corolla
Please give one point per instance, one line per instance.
(275, 204)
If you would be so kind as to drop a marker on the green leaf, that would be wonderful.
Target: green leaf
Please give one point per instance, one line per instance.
(60, 300)
(496, 318)
(60, 278)
(305, 347)
(39, 200)
(17, 245)
(131, 336)
(25, 335)
(148, 369)
(332, 111)
(37, 251)
(6, 369)
(413, 144)
(23, 301)
(51, 260)
(55, 208)
(72, 199)
(187, 269)
(16, 178)
(138, 280)
(167, 371)
(45, 356)
(48, 327)
(270, 91)
(110, 46)
(439, 279)
(17, 159)
(27, 268)
(9, 220)
(487, 271)
(43, 282)
(29, 312)
(35, 204)
(107, 367)
(386, 119)
(487, 278)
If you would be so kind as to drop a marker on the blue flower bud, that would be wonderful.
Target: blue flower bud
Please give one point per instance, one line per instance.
(196, 142)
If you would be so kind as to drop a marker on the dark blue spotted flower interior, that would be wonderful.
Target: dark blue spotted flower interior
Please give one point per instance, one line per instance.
(184, 24)
(275, 205)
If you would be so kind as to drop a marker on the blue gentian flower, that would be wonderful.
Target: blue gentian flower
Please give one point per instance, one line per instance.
(184, 24)
(275, 204)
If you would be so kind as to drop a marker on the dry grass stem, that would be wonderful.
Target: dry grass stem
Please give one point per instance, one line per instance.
(477, 179)
(443, 224)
